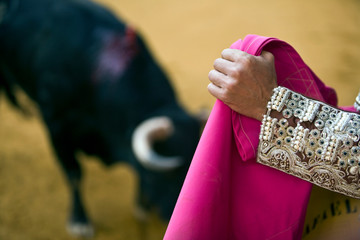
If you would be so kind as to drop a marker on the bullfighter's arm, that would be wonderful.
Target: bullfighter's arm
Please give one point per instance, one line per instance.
(299, 136)
(313, 141)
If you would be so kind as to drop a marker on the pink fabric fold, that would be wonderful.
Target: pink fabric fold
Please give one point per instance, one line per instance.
(226, 194)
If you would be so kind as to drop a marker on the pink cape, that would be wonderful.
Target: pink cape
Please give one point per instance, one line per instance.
(226, 194)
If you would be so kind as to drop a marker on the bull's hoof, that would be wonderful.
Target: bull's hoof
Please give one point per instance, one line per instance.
(81, 230)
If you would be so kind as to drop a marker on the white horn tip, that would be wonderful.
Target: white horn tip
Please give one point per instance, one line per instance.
(143, 137)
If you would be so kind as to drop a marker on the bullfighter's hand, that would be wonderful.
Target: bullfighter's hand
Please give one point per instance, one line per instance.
(243, 82)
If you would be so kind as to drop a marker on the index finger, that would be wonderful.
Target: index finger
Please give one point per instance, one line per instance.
(233, 54)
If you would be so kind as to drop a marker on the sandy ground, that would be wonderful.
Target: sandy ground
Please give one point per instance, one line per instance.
(185, 36)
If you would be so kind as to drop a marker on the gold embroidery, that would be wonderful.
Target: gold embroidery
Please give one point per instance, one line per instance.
(312, 141)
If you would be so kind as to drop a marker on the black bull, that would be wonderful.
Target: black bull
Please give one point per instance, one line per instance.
(99, 91)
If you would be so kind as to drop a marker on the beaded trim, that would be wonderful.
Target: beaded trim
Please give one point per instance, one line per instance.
(312, 141)
(357, 103)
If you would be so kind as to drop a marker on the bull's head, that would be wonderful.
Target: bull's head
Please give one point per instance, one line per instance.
(165, 137)
(153, 142)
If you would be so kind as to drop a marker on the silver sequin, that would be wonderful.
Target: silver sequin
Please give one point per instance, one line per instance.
(287, 113)
(323, 115)
(290, 131)
(315, 133)
(295, 96)
(326, 108)
(333, 115)
(283, 122)
(319, 123)
(291, 104)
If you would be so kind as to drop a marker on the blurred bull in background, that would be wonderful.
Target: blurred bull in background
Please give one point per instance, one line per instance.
(99, 91)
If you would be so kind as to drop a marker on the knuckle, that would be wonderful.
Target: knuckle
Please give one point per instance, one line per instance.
(231, 86)
(271, 56)
(268, 55)
(248, 60)
(213, 75)
(211, 89)
(225, 95)
(236, 70)
(242, 54)
(216, 62)
(224, 52)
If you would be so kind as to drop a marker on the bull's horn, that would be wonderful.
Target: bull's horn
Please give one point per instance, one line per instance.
(157, 128)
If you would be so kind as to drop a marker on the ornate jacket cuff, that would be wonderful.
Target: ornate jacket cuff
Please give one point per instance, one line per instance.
(311, 140)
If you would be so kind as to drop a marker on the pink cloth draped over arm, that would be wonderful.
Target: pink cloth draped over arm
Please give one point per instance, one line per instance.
(226, 194)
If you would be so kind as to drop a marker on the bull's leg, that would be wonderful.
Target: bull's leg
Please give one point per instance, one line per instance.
(58, 116)
(79, 224)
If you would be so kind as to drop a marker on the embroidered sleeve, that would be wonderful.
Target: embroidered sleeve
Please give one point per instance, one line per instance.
(313, 141)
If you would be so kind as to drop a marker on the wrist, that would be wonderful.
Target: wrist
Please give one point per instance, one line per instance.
(263, 107)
